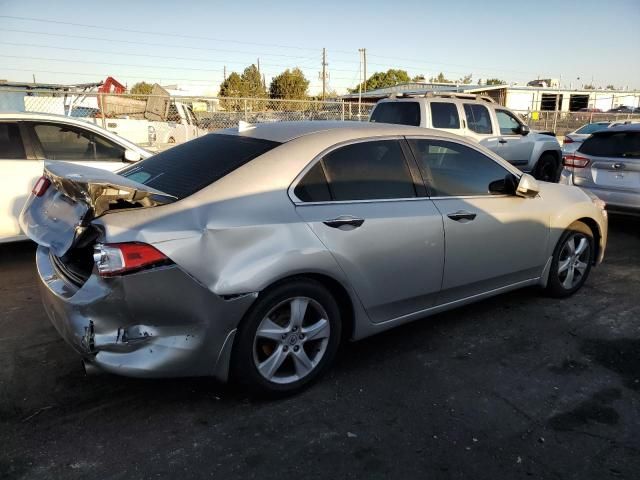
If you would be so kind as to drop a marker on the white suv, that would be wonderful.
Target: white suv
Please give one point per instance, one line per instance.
(481, 119)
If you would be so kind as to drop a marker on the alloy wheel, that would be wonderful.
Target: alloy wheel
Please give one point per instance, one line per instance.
(574, 260)
(291, 340)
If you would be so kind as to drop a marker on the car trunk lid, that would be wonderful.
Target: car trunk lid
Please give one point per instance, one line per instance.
(59, 217)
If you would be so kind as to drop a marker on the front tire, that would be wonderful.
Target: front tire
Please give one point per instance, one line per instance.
(572, 261)
(288, 338)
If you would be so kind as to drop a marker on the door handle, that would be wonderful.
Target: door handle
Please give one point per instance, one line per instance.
(344, 221)
(502, 140)
(462, 215)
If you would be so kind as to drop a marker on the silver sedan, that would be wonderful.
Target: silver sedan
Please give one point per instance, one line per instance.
(254, 251)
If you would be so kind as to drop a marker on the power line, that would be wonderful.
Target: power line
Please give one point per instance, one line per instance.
(149, 32)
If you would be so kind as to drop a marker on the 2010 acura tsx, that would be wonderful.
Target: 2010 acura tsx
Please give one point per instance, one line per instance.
(254, 251)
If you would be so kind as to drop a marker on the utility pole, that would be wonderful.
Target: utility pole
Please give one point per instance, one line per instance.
(324, 73)
(258, 64)
(225, 73)
(360, 84)
(364, 61)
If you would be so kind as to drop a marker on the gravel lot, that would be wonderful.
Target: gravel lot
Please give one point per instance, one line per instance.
(517, 386)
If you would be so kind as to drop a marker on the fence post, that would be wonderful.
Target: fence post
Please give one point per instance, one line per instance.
(245, 110)
(342, 104)
(101, 105)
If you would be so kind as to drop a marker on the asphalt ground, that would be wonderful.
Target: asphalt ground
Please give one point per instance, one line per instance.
(517, 386)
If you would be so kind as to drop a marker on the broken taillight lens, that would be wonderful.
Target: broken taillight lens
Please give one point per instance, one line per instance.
(575, 161)
(122, 258)
(41, 186)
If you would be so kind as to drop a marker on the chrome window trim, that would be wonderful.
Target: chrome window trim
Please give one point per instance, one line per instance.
(297, 202)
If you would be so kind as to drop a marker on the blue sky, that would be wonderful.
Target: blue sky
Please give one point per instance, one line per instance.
(511, 40)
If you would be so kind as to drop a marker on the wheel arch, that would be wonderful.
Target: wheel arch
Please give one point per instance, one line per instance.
(597, 235)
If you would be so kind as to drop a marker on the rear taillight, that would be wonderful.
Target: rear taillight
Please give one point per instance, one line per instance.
(121, 258)
(575, 161)
(41, 186)
(568, 140)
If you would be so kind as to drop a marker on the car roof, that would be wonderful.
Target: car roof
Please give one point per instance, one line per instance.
(631, 127)
(286, 131)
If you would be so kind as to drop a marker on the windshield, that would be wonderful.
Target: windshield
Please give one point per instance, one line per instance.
(187, 168)
(592, 127)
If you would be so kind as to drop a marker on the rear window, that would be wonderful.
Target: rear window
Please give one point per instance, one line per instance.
(592, 127)
(402, 113)
(187, 168)
(612, 144)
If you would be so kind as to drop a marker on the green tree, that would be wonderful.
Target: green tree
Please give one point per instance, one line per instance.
(232, 87)
(418, 78)
(141, 88)
(589, 87)
(249, 85)
(440, 78)
(383, 79)
(289, 85)
(610, 87)
(495, 81)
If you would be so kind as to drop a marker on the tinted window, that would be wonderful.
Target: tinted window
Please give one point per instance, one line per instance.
(11, 147)
(403, 113)
(66, 142)
(592, 127)
(478, 119)
(612, 144)
(369, 170)
(509, 124)
(452, 169)
(444, 115)
(186, 168)
(313, 187)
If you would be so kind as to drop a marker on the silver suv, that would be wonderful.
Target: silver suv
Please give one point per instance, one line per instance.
(482, 120)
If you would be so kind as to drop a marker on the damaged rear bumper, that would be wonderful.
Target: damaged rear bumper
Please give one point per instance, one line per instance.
(154, 323)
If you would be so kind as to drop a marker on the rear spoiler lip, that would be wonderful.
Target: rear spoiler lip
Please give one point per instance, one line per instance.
(89, 185)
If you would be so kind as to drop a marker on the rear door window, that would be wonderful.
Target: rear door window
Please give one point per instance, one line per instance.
(444, 115)
(373, 170)
(11, 146)
(189, 167)
(478, 118)
(402, 113)
(612, 144)
(71, 143)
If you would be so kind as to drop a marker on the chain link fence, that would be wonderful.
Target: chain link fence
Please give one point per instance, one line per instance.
(157, 122)
(563, 123)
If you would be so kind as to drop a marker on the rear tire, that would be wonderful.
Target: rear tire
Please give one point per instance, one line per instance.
(572, 261)
(288, 338)
(547, 168)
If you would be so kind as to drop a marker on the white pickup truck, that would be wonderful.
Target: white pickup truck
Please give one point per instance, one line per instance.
(181, 126)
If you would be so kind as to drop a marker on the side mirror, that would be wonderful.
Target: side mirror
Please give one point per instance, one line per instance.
(524, 130)
(527, 186)
(131, 156)
(505, 186)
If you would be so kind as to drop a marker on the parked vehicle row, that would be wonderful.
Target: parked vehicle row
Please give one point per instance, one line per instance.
(607, 163)
(481, 120)
(252, 252)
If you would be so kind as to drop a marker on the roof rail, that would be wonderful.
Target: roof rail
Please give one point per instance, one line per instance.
(468, 96)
